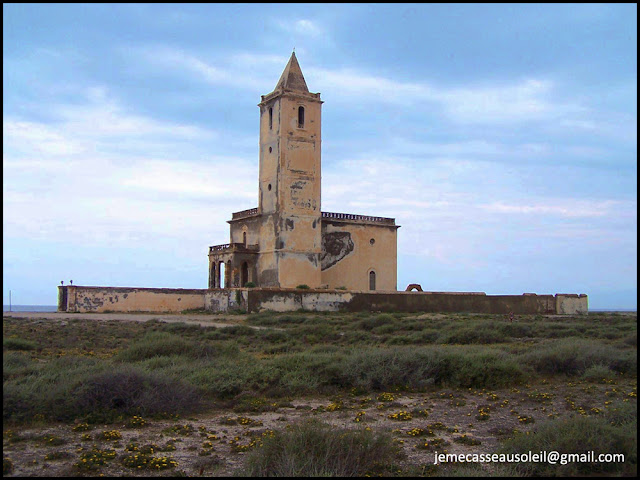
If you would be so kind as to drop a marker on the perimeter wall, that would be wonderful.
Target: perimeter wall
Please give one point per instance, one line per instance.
(73, 298)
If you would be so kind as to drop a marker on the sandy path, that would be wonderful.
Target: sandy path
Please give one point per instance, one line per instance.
(212, 320)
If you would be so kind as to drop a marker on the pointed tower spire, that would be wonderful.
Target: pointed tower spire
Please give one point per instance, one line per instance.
(292, 78)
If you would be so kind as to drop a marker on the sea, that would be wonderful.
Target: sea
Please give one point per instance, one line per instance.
(30, 308)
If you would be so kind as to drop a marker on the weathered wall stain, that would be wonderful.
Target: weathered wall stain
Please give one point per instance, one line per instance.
(91, 299)
(335, 246)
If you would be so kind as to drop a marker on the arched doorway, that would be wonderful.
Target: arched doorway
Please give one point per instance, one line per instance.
(212, 275)
(244, 274)
(221, 275)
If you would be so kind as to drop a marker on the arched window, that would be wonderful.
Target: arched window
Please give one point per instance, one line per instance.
(300, 117)
(372, 280)
(270, 118)
(244, 238)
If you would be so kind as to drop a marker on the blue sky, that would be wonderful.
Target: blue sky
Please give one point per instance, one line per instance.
(502, 138)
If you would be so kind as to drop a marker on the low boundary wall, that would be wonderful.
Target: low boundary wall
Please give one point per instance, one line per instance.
(82, 299)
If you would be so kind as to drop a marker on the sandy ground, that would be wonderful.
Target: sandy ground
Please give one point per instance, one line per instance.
(207, 320)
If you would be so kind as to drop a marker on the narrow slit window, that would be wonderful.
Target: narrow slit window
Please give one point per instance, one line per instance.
(270, 118)
(372, 280)
(300, 117)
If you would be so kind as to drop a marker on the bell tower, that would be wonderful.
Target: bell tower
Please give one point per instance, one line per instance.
(289, 182)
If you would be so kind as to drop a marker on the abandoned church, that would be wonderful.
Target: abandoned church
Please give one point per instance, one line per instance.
(287, 240)
(287, 254)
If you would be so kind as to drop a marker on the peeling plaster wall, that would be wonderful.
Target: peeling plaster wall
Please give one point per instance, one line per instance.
(298, 269)
(225, 299)
(121, 299)
(283, 300)
(249, 225)
(165, 300)
(349, 264)
(299, 240)
(264, 299)
(289, 234)
(571, 303)
(289, 300)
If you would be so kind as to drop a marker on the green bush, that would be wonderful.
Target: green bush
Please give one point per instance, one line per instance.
(16, 365)
(47, 390)
(573, 356)
(598, 374)
(377, 369)
(127, 390)
(473, 334)
(315, 449)
(156, 344)
(303, 286)
(578, 435)
(377, 321)
(18, 344)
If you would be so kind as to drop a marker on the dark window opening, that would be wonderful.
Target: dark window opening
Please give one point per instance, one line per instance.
(62, 303)
(212, 280)
(270, 118)
(245, 274)
(300, 117)
(244, 238)
(372, 280)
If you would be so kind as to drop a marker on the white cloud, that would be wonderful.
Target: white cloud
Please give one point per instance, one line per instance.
(518, 101)
(101, 176)
(237, 69)
(561, 207)
(38, 138)
(307, 27)
(303, 27)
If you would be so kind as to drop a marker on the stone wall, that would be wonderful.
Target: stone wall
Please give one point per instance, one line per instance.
(81, 299)
(74, 298)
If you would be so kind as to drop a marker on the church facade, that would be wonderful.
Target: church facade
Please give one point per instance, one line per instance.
(287, 240)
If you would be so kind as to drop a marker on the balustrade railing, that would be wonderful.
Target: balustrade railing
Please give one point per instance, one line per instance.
(234, 247)
(244, 213)
(363, 218)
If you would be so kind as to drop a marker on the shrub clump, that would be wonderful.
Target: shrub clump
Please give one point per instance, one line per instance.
(132, 392)
(315, 449)
(580, 435)
(574, 356)
(18, 344)
(163, 344)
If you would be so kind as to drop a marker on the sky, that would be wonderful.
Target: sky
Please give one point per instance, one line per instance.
(502, 138)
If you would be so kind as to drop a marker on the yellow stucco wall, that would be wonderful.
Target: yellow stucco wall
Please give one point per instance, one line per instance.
(123, 299)
(352, 271)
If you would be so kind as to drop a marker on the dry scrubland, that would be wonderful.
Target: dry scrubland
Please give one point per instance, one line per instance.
(309, 394)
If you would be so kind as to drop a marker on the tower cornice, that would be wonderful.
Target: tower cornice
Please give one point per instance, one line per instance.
(312, 97)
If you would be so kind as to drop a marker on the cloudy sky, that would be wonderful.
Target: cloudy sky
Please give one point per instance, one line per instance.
(502, 138)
